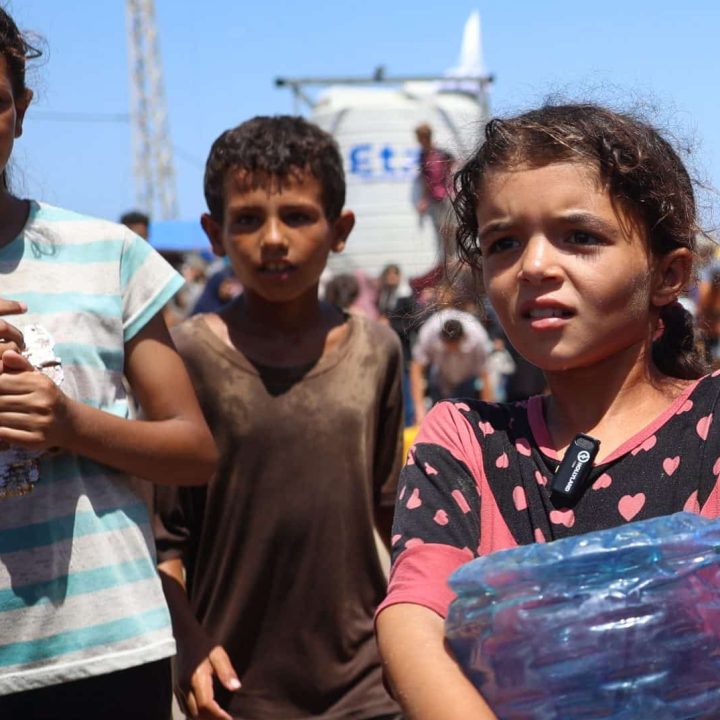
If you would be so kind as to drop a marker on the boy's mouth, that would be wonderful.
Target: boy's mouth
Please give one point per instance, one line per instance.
(273, 268)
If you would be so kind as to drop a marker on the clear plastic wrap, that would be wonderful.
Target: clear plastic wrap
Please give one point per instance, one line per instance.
(621, 624)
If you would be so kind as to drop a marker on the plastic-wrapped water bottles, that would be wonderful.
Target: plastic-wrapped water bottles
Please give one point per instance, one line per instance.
(621, 624)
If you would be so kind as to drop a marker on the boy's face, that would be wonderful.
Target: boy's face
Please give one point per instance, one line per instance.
(277, 237)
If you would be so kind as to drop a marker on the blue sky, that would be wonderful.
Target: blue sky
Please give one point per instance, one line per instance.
(221, 58)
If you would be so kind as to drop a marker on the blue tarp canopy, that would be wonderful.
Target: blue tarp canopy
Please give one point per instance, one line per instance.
(178, 236)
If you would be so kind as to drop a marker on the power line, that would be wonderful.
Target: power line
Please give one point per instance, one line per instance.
(53, 116)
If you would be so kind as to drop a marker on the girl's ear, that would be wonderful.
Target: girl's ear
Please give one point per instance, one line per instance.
(21, 106)
(671, 276)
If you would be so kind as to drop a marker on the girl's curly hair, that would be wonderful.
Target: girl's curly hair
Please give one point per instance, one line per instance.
(17, 50)
(640, 168)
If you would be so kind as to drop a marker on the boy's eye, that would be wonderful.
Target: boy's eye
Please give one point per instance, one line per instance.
(298, 217)
(245, 221)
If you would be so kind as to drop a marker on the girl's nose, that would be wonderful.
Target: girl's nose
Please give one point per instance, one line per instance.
(539, 260)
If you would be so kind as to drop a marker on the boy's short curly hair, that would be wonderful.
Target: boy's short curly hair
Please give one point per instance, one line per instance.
(272, 150)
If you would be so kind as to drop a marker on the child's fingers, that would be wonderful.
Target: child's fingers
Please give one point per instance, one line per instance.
(16, 420)
(23, 438)
(204, 694)
(12, 307)
(6, 345)
(191, 704)
(11, 335)
(13, 361)
(223, 668)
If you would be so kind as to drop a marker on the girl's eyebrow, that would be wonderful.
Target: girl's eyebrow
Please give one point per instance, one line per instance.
(494, 226)
(589, 221)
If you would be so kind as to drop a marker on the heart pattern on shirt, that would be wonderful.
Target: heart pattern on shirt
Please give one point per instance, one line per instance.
(670, 465)
(519, 498)
(414, 500)
(563, 517)
(604, 481)
(630, 505)
(703, 426)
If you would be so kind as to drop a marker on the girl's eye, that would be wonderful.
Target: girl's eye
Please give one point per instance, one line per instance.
(578, 237)
(502, 244)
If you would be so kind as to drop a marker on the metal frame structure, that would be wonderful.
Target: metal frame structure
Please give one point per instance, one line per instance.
(154, 168)
(379, 77)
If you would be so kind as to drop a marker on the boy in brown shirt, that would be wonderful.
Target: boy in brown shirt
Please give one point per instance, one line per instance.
(304, 402)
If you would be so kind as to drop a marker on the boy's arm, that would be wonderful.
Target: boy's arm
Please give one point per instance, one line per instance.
(173, 445)
(426, 680)
(198, 661)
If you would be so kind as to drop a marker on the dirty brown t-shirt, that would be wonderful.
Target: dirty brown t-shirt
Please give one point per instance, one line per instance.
(281, 563)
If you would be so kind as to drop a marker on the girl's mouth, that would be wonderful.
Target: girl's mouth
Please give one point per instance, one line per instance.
(542, 313)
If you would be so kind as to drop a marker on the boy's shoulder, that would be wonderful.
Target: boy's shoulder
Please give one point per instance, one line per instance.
(377, 335)
(189, 333)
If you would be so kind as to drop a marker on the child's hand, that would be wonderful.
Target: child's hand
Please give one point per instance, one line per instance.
(33, 410)
(10, 337)
(197, 692)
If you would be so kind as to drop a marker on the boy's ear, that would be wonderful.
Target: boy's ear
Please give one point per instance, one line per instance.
(213, 230)
(342, 227)
(672, 275)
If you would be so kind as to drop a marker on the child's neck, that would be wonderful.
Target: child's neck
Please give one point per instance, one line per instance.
(282, 334)
(611, 400)
(13, 216)
(297, 317)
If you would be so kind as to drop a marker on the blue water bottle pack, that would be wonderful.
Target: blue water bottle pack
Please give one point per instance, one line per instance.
(620, 624)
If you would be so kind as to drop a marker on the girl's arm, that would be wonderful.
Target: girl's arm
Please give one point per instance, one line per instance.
(425, 678)
(170, 445)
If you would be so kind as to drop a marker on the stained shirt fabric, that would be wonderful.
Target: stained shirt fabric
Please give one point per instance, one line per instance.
(79, 590)
(282, 567)
(478, 477)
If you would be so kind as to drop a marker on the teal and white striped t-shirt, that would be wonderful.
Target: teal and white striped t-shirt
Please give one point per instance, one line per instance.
(79, 592)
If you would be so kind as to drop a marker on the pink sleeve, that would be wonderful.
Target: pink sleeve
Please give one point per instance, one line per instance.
(420, 577)
(429, 548)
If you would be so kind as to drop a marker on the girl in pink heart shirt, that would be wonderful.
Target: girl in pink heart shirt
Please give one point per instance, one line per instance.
(583, 224)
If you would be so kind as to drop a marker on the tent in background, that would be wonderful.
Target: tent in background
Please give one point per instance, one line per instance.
(178, 236)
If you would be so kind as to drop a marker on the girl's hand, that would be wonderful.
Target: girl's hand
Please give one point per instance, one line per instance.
(10, 337)
(34, 412)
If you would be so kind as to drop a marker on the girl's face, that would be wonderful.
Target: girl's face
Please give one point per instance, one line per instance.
(567, 271)
(12, 112)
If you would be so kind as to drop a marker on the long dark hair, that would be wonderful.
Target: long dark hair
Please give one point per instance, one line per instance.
(17, 50)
